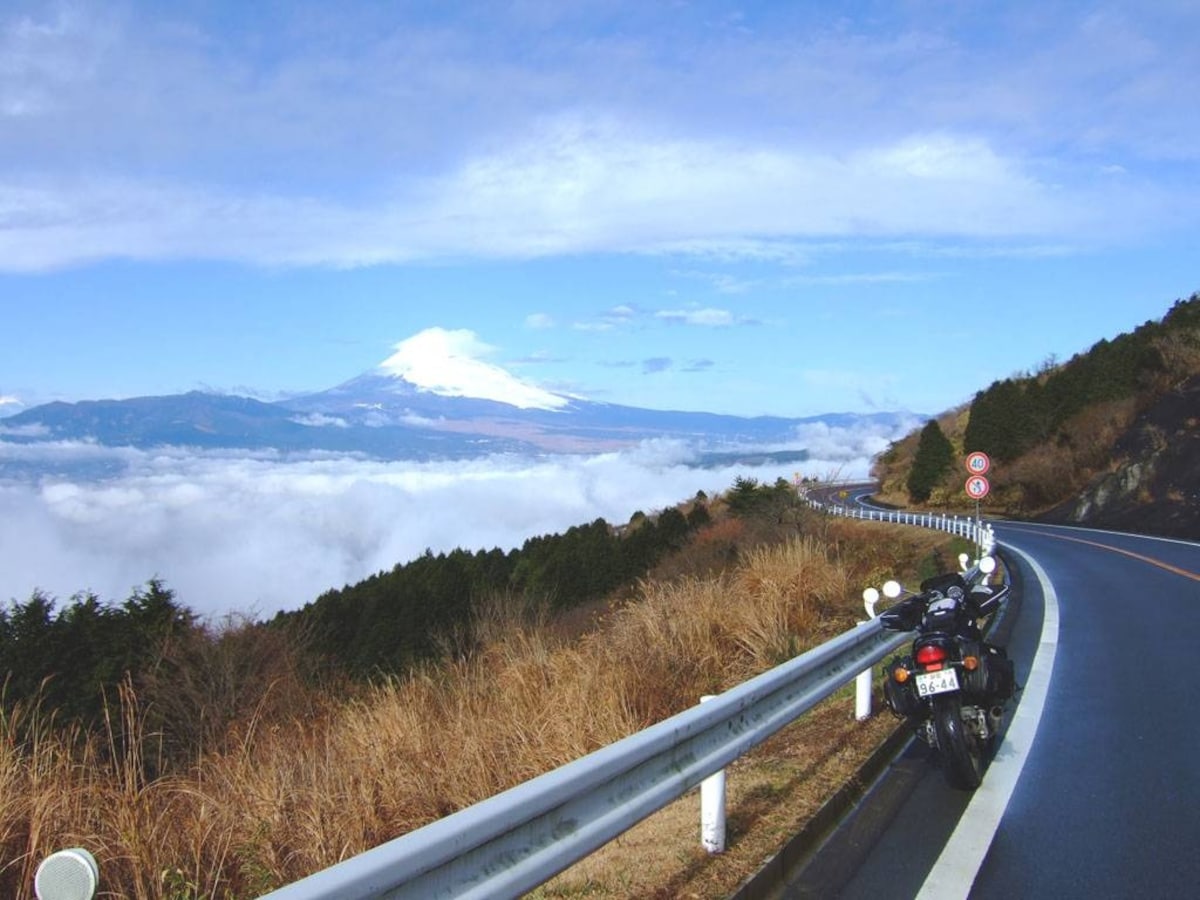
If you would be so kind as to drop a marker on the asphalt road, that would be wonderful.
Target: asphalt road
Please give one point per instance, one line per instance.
(1095, 789)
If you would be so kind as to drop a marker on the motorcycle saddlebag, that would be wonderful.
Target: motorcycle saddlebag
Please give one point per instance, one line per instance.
(901, 699)
(994, 679)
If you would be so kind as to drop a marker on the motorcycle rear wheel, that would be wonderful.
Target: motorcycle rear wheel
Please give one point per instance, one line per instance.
(960, 750)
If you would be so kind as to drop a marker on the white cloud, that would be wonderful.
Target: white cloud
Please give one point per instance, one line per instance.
(255, 533)
(32, 430)
(573, 189)
(320, 420)
(721, 282)
(847, 447)
(711, 318)
(612, 319)
(539, 321)
(852, 278)
(598, 185)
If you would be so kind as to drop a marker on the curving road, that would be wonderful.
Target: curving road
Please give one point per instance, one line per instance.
(1095, 788)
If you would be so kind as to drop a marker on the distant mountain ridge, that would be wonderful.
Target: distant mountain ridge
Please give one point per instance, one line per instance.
(385, 415)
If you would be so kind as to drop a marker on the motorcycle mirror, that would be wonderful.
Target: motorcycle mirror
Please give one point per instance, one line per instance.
(987, 565)
(891, 589)
(870, 598)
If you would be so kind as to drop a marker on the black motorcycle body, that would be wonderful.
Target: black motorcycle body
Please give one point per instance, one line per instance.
(952, 686)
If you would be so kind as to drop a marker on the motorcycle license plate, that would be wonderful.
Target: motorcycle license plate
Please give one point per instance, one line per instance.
(929, 683)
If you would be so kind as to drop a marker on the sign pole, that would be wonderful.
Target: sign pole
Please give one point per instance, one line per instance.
(977, 486)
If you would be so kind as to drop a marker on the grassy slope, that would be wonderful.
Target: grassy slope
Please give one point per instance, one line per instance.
(281, 798)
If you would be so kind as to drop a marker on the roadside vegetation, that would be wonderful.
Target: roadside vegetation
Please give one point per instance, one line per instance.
(1053, 432)
(232, 760)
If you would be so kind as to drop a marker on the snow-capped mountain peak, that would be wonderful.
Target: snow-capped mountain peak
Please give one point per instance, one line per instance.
(447, 363)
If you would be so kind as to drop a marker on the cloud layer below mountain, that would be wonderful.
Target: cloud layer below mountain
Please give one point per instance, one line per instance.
(258, 533)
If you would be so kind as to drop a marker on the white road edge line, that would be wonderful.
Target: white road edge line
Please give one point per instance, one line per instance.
(954, 872)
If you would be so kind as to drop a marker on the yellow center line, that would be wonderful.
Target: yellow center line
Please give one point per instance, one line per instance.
(1146, 559)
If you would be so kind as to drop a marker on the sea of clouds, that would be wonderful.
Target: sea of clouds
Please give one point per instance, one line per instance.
(257, 533)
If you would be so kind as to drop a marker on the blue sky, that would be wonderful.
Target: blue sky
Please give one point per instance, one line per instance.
(784, 208)
(747, 208)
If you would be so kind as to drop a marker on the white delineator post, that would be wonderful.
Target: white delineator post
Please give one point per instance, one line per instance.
(862, 697)
(712, 808)
(67, 875)
(862, 684)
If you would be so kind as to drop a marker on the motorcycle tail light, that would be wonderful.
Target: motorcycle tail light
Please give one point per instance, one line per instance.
(931, 654)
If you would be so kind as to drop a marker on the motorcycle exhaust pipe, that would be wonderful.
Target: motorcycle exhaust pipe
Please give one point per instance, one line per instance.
(996, 712)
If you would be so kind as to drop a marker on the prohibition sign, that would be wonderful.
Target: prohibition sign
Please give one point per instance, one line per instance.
(978, 463)
(977, 487)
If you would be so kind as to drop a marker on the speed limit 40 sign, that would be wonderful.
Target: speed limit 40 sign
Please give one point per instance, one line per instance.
(978, 463)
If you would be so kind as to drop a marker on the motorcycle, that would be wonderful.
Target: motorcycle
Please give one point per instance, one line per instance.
(953, 685)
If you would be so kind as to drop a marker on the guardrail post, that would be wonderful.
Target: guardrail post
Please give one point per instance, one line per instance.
(712, 807)
(862, 683)
(862, 695)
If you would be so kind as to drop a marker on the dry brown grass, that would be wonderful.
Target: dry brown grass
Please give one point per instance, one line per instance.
(1181, 354)
(712, 549)
(280, 799)
(1050, 473)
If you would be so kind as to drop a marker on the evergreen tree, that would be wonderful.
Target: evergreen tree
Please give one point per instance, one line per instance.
(744, 497)
(68, 661)
(699, 516)
(935, 456)
(672, 527)
(999, 421)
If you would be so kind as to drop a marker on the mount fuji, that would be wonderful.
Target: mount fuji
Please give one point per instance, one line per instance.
(432, 399)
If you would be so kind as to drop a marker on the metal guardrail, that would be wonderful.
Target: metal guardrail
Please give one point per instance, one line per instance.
(976, 530)
(513, 842)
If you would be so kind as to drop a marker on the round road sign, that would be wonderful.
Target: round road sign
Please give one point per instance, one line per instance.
(978, 463)
(977, 487)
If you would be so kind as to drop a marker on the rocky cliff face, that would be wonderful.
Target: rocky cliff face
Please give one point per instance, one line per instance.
(1155, 489)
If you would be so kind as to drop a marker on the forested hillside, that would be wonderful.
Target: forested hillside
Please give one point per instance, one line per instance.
(1127, 405)
(73, 660)
(394, 619)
